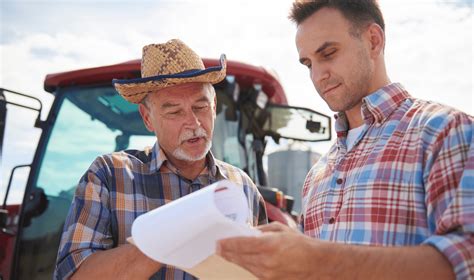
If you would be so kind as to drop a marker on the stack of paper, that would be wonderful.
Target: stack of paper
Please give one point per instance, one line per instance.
(183, 233)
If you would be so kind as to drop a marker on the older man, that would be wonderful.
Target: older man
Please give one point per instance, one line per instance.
(177, 102)
(393, 197)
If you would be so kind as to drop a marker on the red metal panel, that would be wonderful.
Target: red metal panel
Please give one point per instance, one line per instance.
(245, 74)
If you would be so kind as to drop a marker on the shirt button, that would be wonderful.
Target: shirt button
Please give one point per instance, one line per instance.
(339, 181)
(332, 220)
(195, 187)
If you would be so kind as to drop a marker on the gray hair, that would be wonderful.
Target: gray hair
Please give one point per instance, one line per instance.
(209, 87)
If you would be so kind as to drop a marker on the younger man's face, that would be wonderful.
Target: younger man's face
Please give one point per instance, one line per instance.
(339, 63)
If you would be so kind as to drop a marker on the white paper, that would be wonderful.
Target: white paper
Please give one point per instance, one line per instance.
(184, 232)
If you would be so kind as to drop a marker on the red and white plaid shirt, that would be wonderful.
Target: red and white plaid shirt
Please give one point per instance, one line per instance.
(408, 180)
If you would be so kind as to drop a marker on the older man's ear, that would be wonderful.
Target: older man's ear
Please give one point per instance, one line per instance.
(145, 113)
(214, 106)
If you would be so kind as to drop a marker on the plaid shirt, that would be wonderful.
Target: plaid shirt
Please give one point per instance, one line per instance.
(121, 186)
(408, 180)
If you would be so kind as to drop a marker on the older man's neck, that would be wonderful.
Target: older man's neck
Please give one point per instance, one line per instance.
(189, 169)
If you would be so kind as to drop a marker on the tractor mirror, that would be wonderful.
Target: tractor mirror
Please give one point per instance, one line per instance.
(297, 123)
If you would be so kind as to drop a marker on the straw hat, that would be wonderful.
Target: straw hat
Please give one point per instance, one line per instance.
(166, 65)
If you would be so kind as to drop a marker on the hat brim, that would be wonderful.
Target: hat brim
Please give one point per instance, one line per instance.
(134, 90)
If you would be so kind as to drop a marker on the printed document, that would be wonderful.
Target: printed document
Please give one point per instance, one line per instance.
(184, 232)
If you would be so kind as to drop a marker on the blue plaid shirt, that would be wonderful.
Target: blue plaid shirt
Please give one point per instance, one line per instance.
(119, 187)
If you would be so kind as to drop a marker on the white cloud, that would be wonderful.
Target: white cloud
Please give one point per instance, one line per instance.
(429, 50)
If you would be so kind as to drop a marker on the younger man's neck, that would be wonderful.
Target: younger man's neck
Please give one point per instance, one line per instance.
(354, 116)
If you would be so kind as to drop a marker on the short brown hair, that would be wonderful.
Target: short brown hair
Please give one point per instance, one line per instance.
(358, 12)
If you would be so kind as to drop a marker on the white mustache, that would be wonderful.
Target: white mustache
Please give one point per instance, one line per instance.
(190, 134)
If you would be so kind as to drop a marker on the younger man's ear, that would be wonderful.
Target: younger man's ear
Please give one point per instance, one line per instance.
(376, 38)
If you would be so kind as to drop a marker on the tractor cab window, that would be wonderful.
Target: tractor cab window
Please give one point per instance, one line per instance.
(225, 142)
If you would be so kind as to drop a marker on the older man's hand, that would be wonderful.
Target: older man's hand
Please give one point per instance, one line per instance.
(280, 252)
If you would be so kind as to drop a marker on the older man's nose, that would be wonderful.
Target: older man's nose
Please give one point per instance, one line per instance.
(192, 121)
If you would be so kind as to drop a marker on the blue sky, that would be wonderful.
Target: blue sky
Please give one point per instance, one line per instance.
(429, 47)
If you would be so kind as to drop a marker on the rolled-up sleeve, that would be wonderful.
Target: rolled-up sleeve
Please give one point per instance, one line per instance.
(449, 184)
(87, 227)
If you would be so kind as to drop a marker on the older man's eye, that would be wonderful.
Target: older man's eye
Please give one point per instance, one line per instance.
(173, 113)
(201, 108)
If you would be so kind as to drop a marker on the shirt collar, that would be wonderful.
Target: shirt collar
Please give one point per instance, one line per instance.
(376, 107)
(158, 158)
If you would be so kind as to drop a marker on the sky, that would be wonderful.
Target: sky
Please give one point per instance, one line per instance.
(429, 49)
